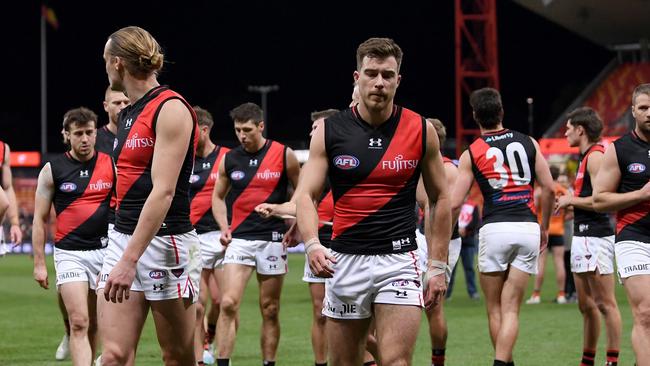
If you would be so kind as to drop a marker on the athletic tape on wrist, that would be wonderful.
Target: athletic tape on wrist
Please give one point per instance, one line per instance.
(436, 268)
(313, 244)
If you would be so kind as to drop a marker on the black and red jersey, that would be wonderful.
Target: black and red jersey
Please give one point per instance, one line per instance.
(585, 222)
(374, 173)
(256, 178)
(202, 180)
(82, 191)
(136, 137)
(633, 154)
(105, 141)
(503, 163)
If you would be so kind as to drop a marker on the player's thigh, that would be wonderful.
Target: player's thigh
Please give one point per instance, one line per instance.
(75, 298)
(396, 329)
(120, 324)
(175, 320)
(636, 288)
(270, 288)
(236, 275)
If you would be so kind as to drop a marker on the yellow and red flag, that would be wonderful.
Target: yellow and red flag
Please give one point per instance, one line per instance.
(50, 17)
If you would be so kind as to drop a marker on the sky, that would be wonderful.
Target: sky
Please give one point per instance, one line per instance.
(216, 49)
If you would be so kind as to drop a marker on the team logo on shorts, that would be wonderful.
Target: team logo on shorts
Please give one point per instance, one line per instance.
(67, 187)
(400, 283)
(636, 168)
(177, 272)
(194, 178)
(237, 175)
(157, 274)
(346, 162)
(271, 258)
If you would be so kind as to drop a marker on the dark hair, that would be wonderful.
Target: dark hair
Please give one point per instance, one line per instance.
(555, 171)
(80, 116)
(203, 117)
(247, 112)
(381, 48)
(641, 89)
(139, 50)
(487, 106)
(589, 120)
(440, 129)
(323, 114)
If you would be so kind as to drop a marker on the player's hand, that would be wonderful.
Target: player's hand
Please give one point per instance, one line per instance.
(320, 262)
(265, 210)
(435, 290)
(40, 275)
(16, 234)
(119, 281)
(562, 202)
(292, 237)
(543, 240)
(226, 237)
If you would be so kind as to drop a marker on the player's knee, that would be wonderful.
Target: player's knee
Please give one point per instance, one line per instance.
(200, 310)
(587, 307)
(605, 306)
(78, 322)
(229, 305)
(114, 357)
(270, 310)
(395, 360)
(178, 356)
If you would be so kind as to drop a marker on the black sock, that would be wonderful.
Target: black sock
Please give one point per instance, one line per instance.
(320, 364)
(66, 322)
(223, 362)
(511, 363)
(499, 363)
(370, 363)
(268, 363)
(438, 357)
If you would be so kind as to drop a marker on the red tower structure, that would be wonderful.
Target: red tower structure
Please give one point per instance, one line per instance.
(476, 59)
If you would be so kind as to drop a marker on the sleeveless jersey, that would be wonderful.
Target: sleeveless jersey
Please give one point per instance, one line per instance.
(202, 180)
(105, 143)
(633, 154)
(503, 163)
(256, 178)
(585, 222)
(133, 154)
(82, 191)
(373, 172)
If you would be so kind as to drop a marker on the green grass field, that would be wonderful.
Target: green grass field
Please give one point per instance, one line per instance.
(550, 334)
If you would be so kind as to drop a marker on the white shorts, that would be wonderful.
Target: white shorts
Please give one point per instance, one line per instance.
(211, 250)
(268, 257)
(308, 276)
(632, 258)
(452, 255)
(170, 267)
(362, 280)
(590, 252)
(501, 244)
(78, 266)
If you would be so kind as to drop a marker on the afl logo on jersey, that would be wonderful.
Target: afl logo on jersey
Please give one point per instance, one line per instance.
(194, 178)
(636, 168)
(346, 162)
(237, 175)
(67, 187)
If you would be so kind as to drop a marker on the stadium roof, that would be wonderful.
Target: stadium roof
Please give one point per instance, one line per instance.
(604, 22)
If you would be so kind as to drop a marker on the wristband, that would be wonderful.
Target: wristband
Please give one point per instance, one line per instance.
(313, 244)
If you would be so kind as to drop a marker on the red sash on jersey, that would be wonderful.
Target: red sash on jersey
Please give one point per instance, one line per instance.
(202, 201)
(258, 190)
(86, 205)
(362, 201)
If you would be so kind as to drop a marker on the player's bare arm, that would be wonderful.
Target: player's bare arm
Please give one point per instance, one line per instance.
(173, 133)
(605, 197)
(219, 209)
(464, 180)
(42, 205)
(311, 184)
(15, 233)
(583, 203)
(435, 184)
